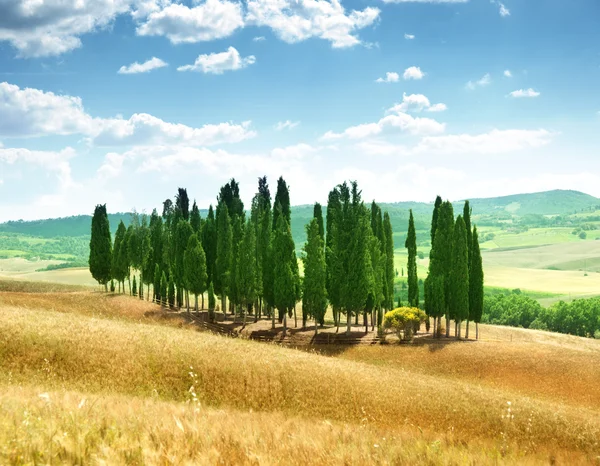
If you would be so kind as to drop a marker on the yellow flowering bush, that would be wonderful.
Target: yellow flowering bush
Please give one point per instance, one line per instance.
(403, 320)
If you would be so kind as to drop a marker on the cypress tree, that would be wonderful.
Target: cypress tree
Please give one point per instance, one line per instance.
(285, 282)
(157, 243)
(100, 247)
(467, 212)
(125, 260)
(164, 289)
(282, 197)
(223, 259)
(459, 275)
(156, 283)
(171, 291)
(314, 296)
(475, 284)
(332, 253)
(434, 218)
(237, 233)
(413, 279)
(182, 203)
(389, 262)
(195, 268)
(246, 270)
(195, 220)
(117, 269)
(318, 214)
(209, 242)
(134, 287)
(211, 302)
(442, 249)
(183, 231)
(261, 221)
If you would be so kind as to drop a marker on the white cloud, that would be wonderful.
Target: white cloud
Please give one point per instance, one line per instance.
(259, 39)
(210, 20)
(414, 72)
(409, 36)
(32, 112)
(217, 63)
(390, 77)
(297, 20)
(484, 81)
(44, 28)
(524, 93)
(493, 142)
(425, 1)
(507, 74)
(149, 65)
(501, 8)
(416, 103)
(287, 124)
(57, 162)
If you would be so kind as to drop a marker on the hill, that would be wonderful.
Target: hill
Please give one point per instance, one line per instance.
(94, 377)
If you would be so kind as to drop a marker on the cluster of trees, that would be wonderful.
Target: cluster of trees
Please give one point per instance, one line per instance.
(250, 261)
(580, 317)
(454, 285)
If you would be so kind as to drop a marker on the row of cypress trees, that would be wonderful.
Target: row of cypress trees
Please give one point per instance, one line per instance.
(454, 285)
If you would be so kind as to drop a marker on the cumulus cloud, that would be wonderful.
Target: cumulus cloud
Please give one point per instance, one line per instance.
(217, 63)
(297, 20)
(414, 72)
(31, 113)
(136, 67)
(210, 20)
(484, 81)
(287, 124)
(416, 103)
(409, 36)
(507, 74)
(390, 77)
(524, 93)
(57, 162)
(501, 8)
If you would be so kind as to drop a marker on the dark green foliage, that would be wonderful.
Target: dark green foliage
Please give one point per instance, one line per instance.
(195, 220)
(194, 266)
(332, 251)
(282, 197)
(209, 242)
(164, 289)
(120, 263)
(459, 274)
(314, 296)
(261, 222)
(156, 283)
(434, 218)
(100, 246)
(112, 286)
(475, 280)
(237, 232)
(168, 209)
(183, 231)
(318, 214)
(134, 287)
(285, 283)
(223, 259)
(467, 212)
(246, 269)
(211, 297)
(171, 291)
(157, 239)
(182, 203)
(413, 279)
(389, 274)
(230, 195)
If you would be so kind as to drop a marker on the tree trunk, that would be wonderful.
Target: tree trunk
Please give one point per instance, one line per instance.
(272, 319)
(447, 326)
(434, 334)
(148, 292)
(245, 310)
(196, 303)
(316, 328)
(467, 331)
(439, 324)
(366, 319)
(259, 307)
(295, 318)
(202, 301)
(129, 281)
(458, 325)
(106, 287)
(187, 301)
(455, 328)
(285, 323)
(476, 330)
(348, 322)
(356, 319)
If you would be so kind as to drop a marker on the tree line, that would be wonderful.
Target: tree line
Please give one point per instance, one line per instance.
(247, 259)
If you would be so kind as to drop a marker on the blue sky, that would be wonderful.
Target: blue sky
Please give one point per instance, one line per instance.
(123, 101)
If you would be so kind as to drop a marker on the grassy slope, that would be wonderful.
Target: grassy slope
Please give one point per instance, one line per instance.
(268, 401)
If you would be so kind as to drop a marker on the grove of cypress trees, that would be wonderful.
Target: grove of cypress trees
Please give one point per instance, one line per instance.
(194, 265)
(100, 247)
(413, 279)
(475, 285)
(459, 275)
(314, 296)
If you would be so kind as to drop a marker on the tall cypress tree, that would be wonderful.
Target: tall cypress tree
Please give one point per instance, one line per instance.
(413, 279)
(284, 283)
(282, 197)
(389, 261)
(237, 233)
(261, 221)
(156, 284)
(194, 263)
(118, 267)
(434, 218)
(442, 248)
(332, 253)
(157, 243)
(182, 203)
(209, 243)
(318, 214)
(100, 247)
(467, 211)
(314, 296)
(183, 231)
(459, 275)
(195, 220)
(164, 289)
(246, 271)
(223, 259)
(475, 284)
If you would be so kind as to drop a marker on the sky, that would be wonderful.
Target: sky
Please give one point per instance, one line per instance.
(123, 101)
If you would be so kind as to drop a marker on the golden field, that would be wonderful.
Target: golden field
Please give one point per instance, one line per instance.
(89, 378)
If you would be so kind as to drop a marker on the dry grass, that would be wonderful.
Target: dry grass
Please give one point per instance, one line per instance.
(111, 357)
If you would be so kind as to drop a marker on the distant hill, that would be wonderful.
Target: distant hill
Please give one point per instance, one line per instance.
(557, 202)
